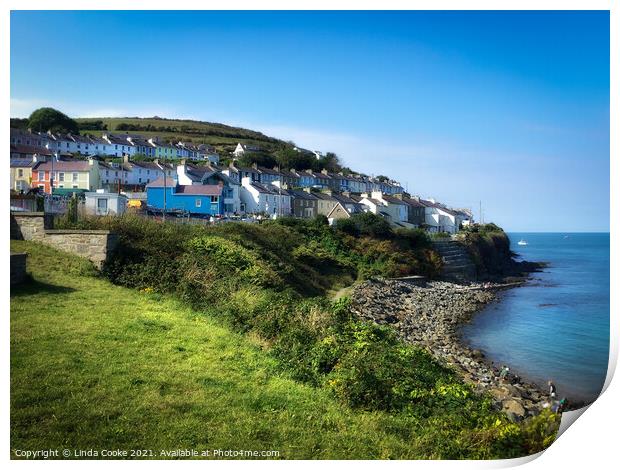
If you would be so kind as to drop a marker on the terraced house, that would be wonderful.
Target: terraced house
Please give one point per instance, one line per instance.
(73, 174)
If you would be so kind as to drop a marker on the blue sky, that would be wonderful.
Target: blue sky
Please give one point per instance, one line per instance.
(507, 108)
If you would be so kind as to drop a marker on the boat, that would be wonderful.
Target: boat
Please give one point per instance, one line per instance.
(522, 242)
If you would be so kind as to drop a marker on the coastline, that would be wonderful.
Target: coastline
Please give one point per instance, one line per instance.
(430, 316)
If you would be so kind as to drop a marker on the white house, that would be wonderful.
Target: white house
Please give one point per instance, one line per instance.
(240, 149)
(439, 218)
(257, 198)
(119, 145)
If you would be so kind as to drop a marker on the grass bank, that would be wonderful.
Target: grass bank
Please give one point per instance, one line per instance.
(229, 342)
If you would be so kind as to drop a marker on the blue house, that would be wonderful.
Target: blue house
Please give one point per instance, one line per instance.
(198, 199)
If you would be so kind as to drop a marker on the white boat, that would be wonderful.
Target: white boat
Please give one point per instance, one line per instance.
(522, 242)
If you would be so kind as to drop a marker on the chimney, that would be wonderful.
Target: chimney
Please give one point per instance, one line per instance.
(255, 165)
(125, 158)
(326, 191)
(183, 161)
(324, 171)
(346, 193)
(398, 196)
(309, 171)
(308, 190)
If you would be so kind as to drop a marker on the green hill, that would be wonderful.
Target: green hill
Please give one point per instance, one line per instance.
(223, 137)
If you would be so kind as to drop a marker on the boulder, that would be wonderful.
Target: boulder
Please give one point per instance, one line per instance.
(514, 407)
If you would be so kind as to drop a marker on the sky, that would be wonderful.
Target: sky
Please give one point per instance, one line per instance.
(504, 110)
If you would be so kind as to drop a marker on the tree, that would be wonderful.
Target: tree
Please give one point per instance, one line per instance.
(288, 157)
(261, 159)
(50, 119)
(330, 162)
(19, 123)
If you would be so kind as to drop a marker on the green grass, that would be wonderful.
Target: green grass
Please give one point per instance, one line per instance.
(95, 365)
(222, 136)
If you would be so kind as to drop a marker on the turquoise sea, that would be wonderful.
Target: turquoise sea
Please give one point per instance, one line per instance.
(556, 327)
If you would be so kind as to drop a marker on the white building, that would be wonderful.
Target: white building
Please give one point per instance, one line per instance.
(258, 198)
(104, 203)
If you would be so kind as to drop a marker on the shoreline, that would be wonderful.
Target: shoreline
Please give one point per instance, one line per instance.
(430, 316)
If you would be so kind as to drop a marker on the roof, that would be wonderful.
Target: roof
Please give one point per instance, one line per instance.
(200, 189)
(29, 149)
(413, 202)
(159, 183)
(263, 188)
(302, 194)
(393, 200)
(21, 162)
(64, 165)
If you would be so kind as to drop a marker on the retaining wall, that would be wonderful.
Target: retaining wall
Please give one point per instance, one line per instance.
(37, 226)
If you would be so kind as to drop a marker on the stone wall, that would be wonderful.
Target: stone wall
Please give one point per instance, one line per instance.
(18, 268)
(30, 225)
(37, 226)
(92, 244)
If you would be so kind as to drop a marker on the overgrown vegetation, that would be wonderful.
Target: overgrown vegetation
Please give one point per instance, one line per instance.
(122, 368)
(489, 247)
(270, 281)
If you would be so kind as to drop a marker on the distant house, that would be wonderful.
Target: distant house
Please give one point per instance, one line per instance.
(241, 149)
(196, 199)
(208, 175)
(415, 209)
(258, 198)
(142, 146)
(304, 204)
(440, 218)
(119, 145)
(72, 174)
(21, 173)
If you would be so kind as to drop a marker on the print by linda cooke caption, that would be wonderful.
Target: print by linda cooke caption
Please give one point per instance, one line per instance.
(43, 454)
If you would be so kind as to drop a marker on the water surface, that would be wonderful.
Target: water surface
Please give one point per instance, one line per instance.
(556, 326)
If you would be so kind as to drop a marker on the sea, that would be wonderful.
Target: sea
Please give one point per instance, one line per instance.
(555, 327)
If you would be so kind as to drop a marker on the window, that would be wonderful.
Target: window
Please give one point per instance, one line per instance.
(107, 172)
(139, 180)
(41, 175)
(198, 202)
(75, 177)
(102, 205)
(215, 199)
(74, 186)
(61, 176)
(20, 172)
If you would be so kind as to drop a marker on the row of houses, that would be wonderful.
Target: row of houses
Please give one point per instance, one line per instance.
(86, 174)
(209, 191)
(26, 143)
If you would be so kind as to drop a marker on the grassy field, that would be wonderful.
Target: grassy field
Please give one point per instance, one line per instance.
(95, 365)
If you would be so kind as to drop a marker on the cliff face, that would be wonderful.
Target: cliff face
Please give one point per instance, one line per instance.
(490, 252)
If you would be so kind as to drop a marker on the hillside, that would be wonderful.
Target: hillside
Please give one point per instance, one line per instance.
(97, 366)
(223, 137)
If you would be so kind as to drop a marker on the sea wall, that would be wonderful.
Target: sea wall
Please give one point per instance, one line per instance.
(95, 245)
(429, 317)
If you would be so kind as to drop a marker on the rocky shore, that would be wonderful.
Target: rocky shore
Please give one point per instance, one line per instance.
(429, 316)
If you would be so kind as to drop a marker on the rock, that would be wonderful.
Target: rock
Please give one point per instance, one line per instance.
(513, 406)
